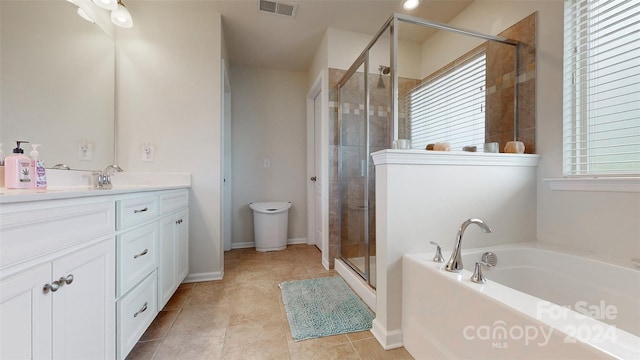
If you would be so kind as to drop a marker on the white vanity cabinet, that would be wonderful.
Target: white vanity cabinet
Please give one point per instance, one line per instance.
(174, 243)
(153, 258)
(137, 267)
(57, 280)
(83, 277)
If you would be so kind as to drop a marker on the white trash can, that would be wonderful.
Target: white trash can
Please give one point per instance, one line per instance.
(270, 221)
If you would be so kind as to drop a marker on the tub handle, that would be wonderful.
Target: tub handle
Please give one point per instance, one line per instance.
(477, 276)
(438, 256)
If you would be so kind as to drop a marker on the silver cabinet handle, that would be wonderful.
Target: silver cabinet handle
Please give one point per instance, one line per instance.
(143, 309)
(66, 280)
(141, 254)
(141, 210)
(53, 287)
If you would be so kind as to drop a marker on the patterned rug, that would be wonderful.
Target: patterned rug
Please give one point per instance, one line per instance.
(323, 307)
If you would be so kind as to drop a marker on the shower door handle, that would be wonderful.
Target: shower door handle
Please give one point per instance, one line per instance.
(313, 178)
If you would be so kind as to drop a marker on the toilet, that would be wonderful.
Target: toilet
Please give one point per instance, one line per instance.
(270, 221)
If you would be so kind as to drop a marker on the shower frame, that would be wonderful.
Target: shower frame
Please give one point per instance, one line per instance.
(392, 24)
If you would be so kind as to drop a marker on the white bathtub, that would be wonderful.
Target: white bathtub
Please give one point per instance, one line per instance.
(523, 309)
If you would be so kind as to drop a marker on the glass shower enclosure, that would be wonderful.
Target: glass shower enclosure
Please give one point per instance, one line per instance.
(382, 97)
(366, 126)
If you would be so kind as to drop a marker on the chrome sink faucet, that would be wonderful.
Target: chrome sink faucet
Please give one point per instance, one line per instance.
(455, 262)
(103, 178)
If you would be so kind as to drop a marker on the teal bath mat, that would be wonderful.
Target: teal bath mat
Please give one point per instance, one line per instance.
(323, 307)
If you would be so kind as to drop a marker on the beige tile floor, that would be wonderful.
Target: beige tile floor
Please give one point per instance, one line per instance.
(243, 317)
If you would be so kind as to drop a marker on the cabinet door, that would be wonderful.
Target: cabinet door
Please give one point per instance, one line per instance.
(84, 306)
(25, 315)
(167, 264)
(182, 246)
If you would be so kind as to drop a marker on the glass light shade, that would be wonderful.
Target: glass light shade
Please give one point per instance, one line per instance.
(86, 12)
(410, 4)
(121, 17)
(107, 4)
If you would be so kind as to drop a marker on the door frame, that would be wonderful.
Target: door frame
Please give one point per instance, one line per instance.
(320, 86)
(225, 198)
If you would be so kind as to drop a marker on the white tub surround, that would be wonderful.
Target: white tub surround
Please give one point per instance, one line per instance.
(424, 196)
(541, 301)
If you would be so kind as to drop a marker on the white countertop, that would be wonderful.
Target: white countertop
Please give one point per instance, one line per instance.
(76, 186)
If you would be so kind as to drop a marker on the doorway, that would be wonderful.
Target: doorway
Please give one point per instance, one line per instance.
(317, 157)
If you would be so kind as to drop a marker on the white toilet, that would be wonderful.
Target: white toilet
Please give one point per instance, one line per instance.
(270, 221)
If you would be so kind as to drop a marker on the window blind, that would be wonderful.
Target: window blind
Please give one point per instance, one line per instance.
(450, 107)
(601, 107)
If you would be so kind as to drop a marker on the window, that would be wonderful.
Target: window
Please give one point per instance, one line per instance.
(450, 107)
(601, 87)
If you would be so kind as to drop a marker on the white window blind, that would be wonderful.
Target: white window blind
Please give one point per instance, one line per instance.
(450, 107)
(601, 87)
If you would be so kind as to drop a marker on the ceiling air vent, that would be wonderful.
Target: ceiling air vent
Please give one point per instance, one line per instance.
(278, 8)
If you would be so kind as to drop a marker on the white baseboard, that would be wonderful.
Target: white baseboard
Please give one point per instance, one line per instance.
(325, 263)
(199, 277)
(297, 241)
(366, 293)
(387, 339)
(243, 245)
(246, 245)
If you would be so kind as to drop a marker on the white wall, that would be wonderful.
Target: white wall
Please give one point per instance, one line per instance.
(344, 47)
(269, 122)
(169, 93)
(320, 60)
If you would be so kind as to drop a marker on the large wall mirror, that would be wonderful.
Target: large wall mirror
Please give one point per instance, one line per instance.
(57, 74)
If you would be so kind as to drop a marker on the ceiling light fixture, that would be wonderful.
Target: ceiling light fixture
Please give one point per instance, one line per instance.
(107, 4)
(410, 4)
(83, 14)
(121, 16)
(86, 12)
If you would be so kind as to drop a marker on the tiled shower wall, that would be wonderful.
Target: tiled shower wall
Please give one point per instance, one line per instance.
(500, 80)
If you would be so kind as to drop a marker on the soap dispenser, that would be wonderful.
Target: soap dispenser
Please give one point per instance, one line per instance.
(1, 166)
(37, 168)
(18, 173)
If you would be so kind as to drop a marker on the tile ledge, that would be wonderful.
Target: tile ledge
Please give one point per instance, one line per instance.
(604, 184)
(422, 157)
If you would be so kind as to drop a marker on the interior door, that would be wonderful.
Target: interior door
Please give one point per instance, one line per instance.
(317, 120)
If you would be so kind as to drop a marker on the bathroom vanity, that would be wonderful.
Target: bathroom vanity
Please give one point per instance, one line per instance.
(84, 272)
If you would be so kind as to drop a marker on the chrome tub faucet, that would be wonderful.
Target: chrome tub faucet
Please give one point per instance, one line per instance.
(455, 262)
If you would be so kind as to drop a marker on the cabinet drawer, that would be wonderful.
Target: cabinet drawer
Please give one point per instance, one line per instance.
(174, 200)
(131, 212)
(136, 311)
(137, 256)
(31, 230)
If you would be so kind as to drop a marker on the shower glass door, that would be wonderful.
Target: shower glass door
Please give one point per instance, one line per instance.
(353, 171)
(365, 123)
